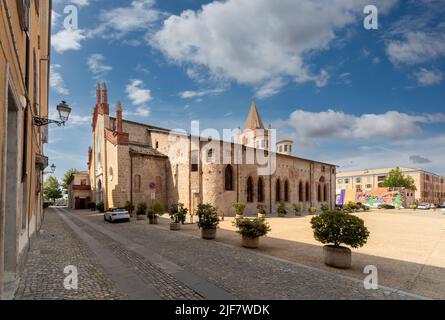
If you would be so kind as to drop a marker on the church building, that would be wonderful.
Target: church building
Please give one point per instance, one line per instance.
(136, 162)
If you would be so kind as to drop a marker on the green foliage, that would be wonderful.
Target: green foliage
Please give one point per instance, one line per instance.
(333, 227)
(178, 213)
(281, 210)
(313, 210)
(297, 209)
(395, 179)
(208, 216)
(141, 209)
(67, 176)
(366, 208)
(386, 206)
(261, 210)
(92, 206)
(239, 208)
(155, 210)
(100, 207)
(252, 228)
(46, 205)
(52, 190)
(324, 207)
(129, 207)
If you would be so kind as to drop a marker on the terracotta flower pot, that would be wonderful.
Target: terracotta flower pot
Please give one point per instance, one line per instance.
(208, 234)
(337, 257)
(251, 243)
(175, 226)
(153, 220)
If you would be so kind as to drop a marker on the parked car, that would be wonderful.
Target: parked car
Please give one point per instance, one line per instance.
(117, 214)
(424, 206)
(442, 206)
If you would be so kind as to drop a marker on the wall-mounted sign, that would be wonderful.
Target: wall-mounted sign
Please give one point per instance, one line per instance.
(152, 185)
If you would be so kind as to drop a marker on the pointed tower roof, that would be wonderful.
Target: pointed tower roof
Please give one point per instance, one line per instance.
(253, 119)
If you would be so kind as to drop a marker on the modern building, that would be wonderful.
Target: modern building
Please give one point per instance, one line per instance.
(136, 162)
(430, 186)
(24, 78)
(79, 191)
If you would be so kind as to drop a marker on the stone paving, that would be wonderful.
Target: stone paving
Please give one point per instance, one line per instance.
(56, 247)
(243, 273)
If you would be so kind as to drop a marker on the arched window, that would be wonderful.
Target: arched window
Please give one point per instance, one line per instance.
(325, 193)
(210, 155)
(260, 190)
(319, 196)
(308, 192)
(137, 183)
(228, 177)
(278, 191)
(286, 191)
(300, 192)
(249, 189)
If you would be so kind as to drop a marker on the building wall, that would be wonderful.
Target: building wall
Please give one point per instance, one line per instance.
(21, 204)
(430, 187)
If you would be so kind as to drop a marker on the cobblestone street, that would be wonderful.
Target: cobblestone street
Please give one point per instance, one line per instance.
(140, 261)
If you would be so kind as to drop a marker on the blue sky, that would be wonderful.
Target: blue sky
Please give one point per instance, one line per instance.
(346, 95)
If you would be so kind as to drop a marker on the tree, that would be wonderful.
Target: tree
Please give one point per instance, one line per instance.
(395, 179)
(52, 190)
(66, 178)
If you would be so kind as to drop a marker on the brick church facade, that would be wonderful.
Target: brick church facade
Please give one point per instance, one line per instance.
(136, 162)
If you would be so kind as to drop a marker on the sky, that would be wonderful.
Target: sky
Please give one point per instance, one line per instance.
(346, 95)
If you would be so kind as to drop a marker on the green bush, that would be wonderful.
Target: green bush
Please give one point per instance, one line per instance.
(338, 228)
(178, 213)
(92, 206)
(297, 209)
(313, 210)
(129, 207)
(281, 210)
(208, 216)
(386, 206)
(324, 207)
(261, 210)
(155, 210)
(252, 228)
(100, 207)
(366, 208)
(142, 209)
(239, 208)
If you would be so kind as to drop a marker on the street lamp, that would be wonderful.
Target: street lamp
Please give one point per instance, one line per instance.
(53, 169)
(64, 114)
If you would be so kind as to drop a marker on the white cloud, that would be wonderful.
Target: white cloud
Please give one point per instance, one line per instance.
(255, 42)
(310, 126)
(81, 3)
(97, 66)
(56, 81)
(427, 77)
(139, 112)
(117, 22)
(417, 47)
(54, 18)
(137, 94)
(270, 88)
(67, 39)
(201, 93)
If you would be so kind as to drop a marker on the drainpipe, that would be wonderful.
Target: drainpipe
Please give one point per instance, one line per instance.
(131, 178)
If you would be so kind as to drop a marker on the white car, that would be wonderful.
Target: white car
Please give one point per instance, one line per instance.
(424, 206)
(117, 214)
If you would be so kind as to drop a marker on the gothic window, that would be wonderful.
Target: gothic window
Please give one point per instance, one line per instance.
(278, 191)
(286, 191)
(325, 193)
(308, 196)
(249, 189)
(319, 196)
(260, 190)
(210, 154)
(228, 177)
(137, 183)
(300, 192)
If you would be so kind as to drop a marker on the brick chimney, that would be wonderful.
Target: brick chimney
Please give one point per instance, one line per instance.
(98, 94)
(119, 117)
(105, 106)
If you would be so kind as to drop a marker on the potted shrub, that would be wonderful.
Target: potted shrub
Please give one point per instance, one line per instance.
(261, 212)
(100, 207)
(129, 207)
(313, 210)
(324, 207)
(177, 215)
(297, 209)
(208, 220)
(334, 228)
(281, 210)
(153, 212)
(141, 211)
(239, 210)
(91, 206)
(251, 231)
(413, 206)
